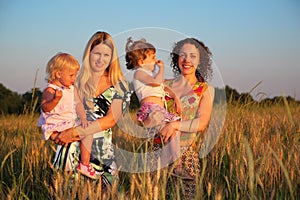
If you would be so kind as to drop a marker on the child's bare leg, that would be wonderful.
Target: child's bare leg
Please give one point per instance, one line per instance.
(171, 150)
(175, 147)
(85, 149)
(155, 118)
(84, 166)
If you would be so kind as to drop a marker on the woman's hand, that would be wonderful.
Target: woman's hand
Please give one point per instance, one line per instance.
(67, 136)
(177, 105)
(169, 130)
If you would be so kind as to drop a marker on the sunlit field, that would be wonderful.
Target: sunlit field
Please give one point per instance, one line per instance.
(256, 157)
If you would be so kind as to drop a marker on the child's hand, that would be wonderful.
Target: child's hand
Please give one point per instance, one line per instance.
(177, 105)
(84, 123)
(160, 64)
(58, 94)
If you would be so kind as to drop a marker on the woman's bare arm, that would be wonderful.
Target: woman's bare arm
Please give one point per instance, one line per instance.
(108, 121)
(195, 125)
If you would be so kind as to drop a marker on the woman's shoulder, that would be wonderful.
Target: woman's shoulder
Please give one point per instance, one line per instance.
(169, 79)
(121, 89)
(202, 88)
(210, 90)
(207, 86)
(210, 87)
(169, 82)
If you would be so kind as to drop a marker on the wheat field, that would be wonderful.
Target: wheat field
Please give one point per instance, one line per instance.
(255, 157)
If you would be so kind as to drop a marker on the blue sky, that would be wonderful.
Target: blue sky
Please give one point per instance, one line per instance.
(251, 41)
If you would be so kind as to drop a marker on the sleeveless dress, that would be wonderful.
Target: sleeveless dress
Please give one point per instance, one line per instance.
(188, 141)
(62, 116)
(102, 153)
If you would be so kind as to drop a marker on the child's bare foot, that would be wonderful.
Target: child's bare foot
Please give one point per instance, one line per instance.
(87, 170)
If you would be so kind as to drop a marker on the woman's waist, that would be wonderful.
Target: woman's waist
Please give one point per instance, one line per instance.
(187, 139)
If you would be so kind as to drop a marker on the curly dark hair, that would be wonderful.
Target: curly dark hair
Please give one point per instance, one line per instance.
(137, 50)
(204, 69)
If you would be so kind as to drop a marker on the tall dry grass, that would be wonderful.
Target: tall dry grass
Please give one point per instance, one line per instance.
(256, 157)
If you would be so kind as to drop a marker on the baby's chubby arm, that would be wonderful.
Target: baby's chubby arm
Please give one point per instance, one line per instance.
(50, 99)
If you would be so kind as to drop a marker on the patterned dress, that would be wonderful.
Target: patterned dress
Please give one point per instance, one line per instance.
(188, 140)
(102, 153)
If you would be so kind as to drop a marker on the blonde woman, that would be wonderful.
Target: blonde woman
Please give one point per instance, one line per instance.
(101, 87)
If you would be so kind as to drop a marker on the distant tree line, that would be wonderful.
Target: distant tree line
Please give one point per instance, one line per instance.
(234, 97)
(30, 101)
(14, 103)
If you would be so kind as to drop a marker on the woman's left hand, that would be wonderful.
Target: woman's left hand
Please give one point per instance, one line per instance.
(168, 131)
(177, 105)
(67, 136)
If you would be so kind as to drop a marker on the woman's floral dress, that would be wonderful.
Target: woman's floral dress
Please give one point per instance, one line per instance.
(188, 140)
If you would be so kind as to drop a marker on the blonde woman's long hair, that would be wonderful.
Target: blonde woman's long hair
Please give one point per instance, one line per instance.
(86, 80)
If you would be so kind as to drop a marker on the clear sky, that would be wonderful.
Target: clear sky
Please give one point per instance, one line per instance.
(251, 41)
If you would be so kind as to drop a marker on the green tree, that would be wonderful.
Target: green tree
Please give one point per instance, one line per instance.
(10, 102)
(32, 100)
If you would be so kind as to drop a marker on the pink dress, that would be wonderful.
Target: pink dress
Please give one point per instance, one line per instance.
(62, 117)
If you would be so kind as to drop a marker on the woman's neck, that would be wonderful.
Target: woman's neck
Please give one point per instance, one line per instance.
(102, 84)
(188, 79)
(183, 85)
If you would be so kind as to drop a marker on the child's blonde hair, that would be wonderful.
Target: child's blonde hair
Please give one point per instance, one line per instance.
(59, 62)
(136, 51)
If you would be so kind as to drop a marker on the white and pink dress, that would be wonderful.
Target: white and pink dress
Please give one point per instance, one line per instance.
(62, 116)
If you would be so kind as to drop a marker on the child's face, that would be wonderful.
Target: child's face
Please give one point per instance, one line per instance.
(67, 77)
(150, 61)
